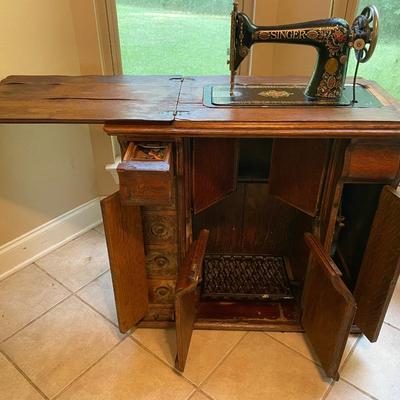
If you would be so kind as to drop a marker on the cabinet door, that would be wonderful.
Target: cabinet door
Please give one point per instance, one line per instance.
(298, 169)
(328, 308)
(380, 266)
(124, 235)
(214, 171)
(186, 297)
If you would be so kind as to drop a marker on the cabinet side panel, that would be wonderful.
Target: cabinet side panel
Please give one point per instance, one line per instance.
(214, 171)
(124, 235)
(298, 170)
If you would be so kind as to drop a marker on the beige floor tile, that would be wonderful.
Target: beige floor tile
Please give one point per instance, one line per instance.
(79, 261)
(129, 372)
(100, 295)
(13, 386)
(199, 396)
(60, 345)
(374, 367)
(26, 295)
(100, 228)
(343, 391)
(299, 342)
(261, 368)
(393, 312)
(207, 348)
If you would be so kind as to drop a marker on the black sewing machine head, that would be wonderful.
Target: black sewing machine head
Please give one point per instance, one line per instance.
(333, 39)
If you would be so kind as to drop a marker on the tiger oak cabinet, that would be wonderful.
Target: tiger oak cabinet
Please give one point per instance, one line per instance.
(276, 219)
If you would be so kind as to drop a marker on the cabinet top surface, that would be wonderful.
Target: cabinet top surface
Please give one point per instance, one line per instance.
(174, 106)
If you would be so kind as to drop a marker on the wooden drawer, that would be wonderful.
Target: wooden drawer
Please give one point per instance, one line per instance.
(146, 174)
(159, 227)
(161, 291)
(158, 312)
(161, 261)
(372, 161)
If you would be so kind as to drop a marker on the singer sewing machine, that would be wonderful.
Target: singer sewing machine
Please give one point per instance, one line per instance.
(257, 204)
(333, 38)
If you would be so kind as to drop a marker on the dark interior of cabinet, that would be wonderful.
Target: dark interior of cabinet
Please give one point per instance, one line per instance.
(357, 211)
(250, 228)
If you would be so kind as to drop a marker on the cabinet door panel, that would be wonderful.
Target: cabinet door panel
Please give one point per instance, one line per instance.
(214, 171)
(186, 297)
(380, 266)
(298, 170)
(328, 308)
(124, 235)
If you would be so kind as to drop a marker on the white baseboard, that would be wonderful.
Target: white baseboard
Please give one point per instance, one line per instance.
(40, 241)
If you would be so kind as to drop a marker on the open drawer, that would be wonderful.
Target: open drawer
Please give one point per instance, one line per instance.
(146, 174)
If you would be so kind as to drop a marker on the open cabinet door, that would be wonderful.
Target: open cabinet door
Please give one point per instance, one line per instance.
(124, 235)
(328, 308)
(186, 297)
(380, 266)
(214, 171)
(298, 170)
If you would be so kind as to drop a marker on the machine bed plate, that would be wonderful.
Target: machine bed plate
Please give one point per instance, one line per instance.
(282, 95)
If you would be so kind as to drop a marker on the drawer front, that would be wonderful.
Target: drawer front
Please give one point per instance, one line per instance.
(146, 174)
(372, 161)
(161, 261)
(161, 291)
(159, 227)
(142, 188)
(160, 313)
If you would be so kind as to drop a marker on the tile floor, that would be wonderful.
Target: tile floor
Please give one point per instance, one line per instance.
(59, 340)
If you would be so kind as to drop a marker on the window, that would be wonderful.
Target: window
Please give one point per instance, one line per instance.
(183, 37)
(384, 66)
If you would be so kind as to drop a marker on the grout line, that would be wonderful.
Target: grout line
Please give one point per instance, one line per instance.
(166, 363)
(190, 395)
(38, 317)
(295, 350)
(352, 350)
(97, 277)
(97, 311)
(11, 361)
(227, 354)
(71, 294)
(52, 277)
(328, 390)
(66, 287)
(359, 389)
(229, 351)
(392, 326)
(65, 388)
(205, 394)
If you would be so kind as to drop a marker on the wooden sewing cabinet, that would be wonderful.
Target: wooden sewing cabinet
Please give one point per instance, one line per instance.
(275, 219)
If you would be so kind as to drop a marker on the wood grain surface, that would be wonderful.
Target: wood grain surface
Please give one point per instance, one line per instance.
(174, 107)
(214, 171)
(380, 267)
(298, 169)
(123, 228)
(88, 99)
(328, 308)
(186, 297)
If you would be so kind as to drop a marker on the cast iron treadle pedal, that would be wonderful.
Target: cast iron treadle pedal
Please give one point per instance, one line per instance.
(245, 277)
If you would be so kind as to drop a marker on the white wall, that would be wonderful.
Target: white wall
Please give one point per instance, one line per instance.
(45, 170)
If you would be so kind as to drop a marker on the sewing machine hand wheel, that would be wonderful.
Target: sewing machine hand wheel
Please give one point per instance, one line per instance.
(365, 34)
